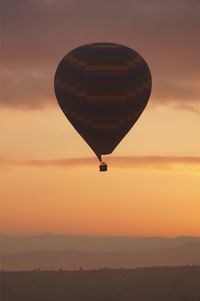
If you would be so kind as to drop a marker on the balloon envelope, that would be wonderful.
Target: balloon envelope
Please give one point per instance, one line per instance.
(102, 89)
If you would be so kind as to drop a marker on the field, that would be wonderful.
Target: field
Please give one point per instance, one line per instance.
(142, 284)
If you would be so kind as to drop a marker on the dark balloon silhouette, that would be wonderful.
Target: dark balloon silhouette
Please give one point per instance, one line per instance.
(102, 89)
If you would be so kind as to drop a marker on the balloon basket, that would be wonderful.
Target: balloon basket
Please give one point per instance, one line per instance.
(103, 167)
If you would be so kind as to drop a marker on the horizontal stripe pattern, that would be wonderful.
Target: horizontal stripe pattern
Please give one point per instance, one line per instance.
(102, 89)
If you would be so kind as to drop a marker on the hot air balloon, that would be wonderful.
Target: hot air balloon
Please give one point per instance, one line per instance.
(102, 88)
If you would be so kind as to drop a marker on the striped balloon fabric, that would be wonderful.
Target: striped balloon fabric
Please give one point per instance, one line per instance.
(102, 89)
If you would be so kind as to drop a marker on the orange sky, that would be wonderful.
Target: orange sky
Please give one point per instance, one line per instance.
(153, 183)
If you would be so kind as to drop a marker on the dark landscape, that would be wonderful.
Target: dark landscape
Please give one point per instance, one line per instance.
(98, 268)
(142, 284)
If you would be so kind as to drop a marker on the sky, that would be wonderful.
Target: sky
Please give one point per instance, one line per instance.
(49, 178)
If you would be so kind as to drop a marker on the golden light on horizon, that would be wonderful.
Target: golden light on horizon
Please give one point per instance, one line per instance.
(83, 201)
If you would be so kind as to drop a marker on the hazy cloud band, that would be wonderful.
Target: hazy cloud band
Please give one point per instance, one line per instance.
(152, 162)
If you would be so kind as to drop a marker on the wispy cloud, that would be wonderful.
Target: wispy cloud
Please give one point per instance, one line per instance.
(150, 162)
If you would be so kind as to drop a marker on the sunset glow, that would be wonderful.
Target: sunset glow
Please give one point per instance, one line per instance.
(49, 178)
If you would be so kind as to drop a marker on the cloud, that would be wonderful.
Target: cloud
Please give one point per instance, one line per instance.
(141, 162)
(179, 94)
(26, 90)
(36, 34)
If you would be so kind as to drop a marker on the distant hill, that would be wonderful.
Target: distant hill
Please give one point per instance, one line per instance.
(12, 244)
(145, 284)
(183, 254)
